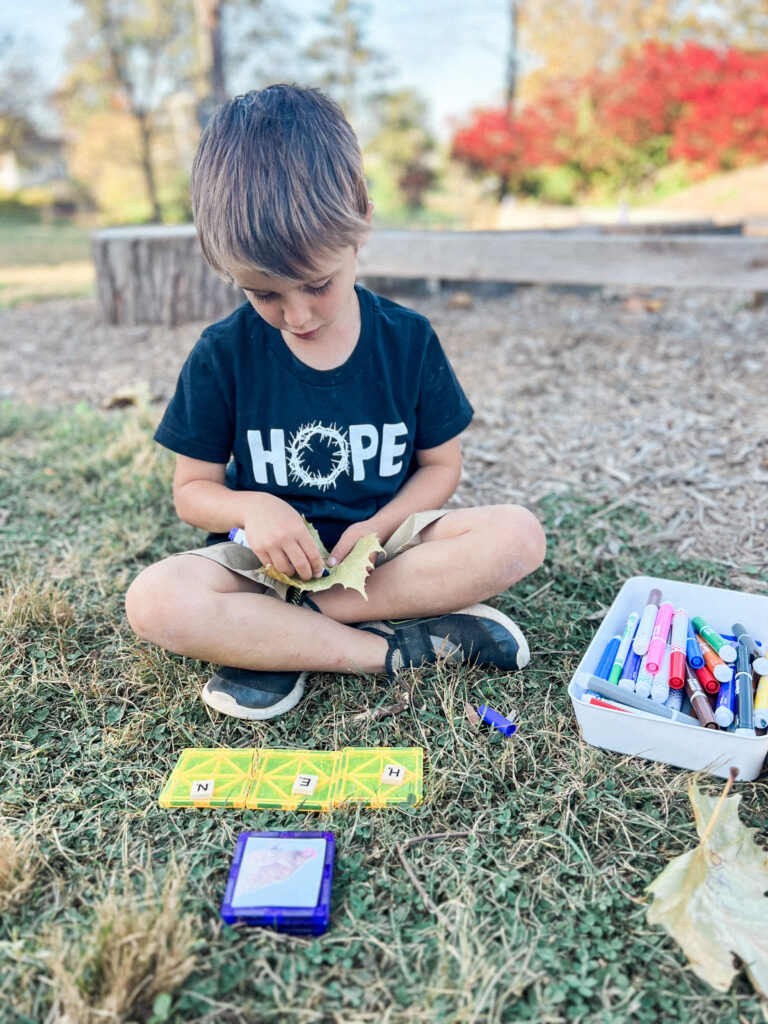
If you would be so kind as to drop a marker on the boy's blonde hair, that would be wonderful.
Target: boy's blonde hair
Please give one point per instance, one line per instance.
(277, 183)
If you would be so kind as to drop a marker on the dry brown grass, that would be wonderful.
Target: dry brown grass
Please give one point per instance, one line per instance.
(139, 948)
(35, 602)
(19, 283)
(19, 866)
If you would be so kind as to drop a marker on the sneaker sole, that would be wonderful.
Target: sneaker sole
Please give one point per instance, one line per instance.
(226, 705)
(485, 611)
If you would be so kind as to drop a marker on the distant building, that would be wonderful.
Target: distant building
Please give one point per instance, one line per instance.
(35, 163)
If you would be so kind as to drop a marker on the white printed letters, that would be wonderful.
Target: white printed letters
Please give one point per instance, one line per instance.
(355, 448)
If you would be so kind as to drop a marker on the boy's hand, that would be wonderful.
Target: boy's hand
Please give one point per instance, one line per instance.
(278, 536)
(349, 538)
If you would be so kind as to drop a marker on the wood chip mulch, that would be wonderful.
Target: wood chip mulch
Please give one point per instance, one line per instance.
(655, 400)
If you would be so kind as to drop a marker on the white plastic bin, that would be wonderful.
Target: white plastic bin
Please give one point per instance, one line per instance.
(658, 739)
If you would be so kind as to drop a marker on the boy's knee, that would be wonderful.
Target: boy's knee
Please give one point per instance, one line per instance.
(148, 603)
(523, 539)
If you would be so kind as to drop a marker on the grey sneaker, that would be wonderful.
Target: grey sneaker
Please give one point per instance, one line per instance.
(256, 696)
(479, 634)
(253, 695)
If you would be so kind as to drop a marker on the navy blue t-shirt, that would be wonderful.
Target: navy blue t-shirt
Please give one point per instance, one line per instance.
(336, 444)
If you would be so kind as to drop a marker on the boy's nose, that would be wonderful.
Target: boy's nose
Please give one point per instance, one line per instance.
(296, 315)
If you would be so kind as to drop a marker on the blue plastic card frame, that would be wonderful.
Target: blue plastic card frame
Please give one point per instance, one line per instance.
(281, 880)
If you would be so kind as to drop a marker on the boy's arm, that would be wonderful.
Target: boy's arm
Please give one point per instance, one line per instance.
(430, 487)
(274, 530)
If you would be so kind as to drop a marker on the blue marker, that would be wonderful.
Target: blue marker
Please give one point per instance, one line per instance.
(630, 670)
(496, 720)
(605, 664)
(692, 649)
(725, 709)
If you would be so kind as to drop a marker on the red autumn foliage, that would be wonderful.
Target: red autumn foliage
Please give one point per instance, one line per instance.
(703, 106)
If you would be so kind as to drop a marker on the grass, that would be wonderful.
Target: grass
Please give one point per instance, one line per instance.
(23, 243)
(110, 904)
(43, 261)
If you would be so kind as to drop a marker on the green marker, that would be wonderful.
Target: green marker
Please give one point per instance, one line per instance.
(623, 651)
(726, 651)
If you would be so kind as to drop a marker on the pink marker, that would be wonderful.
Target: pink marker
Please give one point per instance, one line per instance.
(659, 636)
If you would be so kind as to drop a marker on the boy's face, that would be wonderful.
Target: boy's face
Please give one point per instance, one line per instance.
(312, 309)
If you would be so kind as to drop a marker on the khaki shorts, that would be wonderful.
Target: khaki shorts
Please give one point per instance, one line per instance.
(245, 563)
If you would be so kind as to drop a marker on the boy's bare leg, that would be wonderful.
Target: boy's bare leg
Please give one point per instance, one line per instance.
(196, 607)
(467, 556)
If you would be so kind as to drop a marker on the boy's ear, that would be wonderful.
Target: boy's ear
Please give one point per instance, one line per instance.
(369, 218)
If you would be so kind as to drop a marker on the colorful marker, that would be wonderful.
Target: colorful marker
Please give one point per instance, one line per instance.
(677, 656)
(714, 662)
(588, 697)
(650, 707)
(660, 686)
(744, 703)
(693, 651)
(629, 672)
(726, 651)
(621, 654)
(725, 709)
(658, 642)
(644, 683)
(607, 658)
(675, 699)
(647, 622)
(237, 536)
(758, 659)
(698, 699)
(761, 703)
(708, 682)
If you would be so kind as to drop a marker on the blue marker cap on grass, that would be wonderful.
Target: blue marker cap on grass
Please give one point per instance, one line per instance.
(497, 720)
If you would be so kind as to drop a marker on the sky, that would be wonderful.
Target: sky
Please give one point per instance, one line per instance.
(451, 52)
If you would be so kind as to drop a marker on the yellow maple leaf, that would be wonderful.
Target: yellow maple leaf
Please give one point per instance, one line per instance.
(351, 573)
(712, 900)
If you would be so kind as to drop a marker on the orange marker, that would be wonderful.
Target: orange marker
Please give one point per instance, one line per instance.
(714, 662)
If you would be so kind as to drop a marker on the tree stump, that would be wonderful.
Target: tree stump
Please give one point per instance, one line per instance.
(157, 275)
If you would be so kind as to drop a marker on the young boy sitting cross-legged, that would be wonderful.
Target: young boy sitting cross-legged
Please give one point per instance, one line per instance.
(317, 399)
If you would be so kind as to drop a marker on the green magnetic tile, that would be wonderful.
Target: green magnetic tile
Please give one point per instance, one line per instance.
(361, 770)
(221, 777)
(278, 771)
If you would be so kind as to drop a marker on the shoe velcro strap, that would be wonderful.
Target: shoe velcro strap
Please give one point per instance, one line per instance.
(414, 643)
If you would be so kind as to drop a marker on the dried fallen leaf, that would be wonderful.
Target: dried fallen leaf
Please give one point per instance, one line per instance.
(472, 716)
(351, 573)
(712, 900)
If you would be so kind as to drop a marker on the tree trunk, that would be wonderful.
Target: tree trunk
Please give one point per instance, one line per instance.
(147, 166)
(158, 275)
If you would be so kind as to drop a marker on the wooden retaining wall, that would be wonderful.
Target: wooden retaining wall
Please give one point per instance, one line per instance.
(158, 275)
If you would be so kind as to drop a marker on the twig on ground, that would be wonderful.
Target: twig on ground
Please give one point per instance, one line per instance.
(385, 712)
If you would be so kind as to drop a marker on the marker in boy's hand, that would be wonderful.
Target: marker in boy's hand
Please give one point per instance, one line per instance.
(281, 537)
(237, 536)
